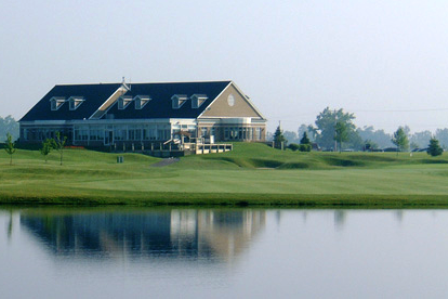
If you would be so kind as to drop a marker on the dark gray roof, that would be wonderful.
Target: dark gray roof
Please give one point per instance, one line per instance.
(95, 95)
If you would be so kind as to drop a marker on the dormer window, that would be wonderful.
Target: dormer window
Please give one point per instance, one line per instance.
(75, 102)
(123, 102)
(56, 103)
(197, 100)
(178, 100)
(141, 101)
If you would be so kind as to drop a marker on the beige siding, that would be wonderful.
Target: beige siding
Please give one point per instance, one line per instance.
(220, 107)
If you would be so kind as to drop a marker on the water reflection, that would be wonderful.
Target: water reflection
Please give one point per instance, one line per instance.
(198, 234)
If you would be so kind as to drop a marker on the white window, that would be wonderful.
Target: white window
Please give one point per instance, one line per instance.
(75, 102)
(141, 101)
(56, 103)
(197, 100)
(123, 102)
(178, 100)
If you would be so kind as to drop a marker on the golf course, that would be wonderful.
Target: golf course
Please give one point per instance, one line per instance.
(251, 175)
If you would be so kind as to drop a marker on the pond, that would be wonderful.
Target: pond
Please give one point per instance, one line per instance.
(223, 253)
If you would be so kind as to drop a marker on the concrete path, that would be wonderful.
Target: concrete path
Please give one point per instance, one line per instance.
(165, 162)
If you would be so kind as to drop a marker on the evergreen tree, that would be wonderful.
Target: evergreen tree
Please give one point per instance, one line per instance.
(305, 139)
(279, 139)
(434, 148)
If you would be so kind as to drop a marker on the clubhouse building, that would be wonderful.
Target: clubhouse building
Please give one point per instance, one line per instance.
(120, 114)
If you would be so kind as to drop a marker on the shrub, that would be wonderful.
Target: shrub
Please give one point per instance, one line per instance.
(305, 147)
(294, 147)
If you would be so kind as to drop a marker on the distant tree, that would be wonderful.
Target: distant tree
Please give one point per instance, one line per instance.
(341, 130)
(279, 139)
(434, 148)
(442, 136)
(326, 124)
(291, 136)
(414, 145)
(9, 125)
(47, 146)
(59, 143)
(10, 147)
(420, 139)
(369, 145)
(305, 139)
(309, 130)
(400, 140)
(381, 138)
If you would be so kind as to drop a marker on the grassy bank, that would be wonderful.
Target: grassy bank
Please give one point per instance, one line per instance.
(251, 175)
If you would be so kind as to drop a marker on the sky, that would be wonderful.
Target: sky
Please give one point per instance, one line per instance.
(385, 61)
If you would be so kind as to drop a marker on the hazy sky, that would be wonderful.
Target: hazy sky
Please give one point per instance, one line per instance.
(386, 61)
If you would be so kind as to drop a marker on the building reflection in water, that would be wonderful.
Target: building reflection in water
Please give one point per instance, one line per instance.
(208, 234)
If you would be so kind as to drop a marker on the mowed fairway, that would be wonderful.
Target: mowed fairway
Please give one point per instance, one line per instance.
(253, 174)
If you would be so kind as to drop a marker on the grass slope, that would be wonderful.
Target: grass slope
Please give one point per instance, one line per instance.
(251, 175)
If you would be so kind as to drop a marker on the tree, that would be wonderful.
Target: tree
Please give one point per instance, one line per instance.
(59, 143)
(310, 131)
(434, 148)
(369, 145)
(381, 138)
(442, 136)
(9, 125)
(305, 139)
(47, 146)
(279, 139)
(326, 125)
(10, 147)
(400, 139)
(420, 139)
(341, 133)
(291, 136)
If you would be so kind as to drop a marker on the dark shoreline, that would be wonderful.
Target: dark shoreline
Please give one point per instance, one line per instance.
(237, 200)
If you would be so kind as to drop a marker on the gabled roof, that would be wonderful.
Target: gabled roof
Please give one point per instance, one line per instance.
(95, 95)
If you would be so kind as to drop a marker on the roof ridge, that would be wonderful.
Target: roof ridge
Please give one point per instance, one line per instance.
(159, 82)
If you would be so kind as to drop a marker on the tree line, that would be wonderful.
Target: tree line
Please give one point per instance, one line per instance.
(334, 130)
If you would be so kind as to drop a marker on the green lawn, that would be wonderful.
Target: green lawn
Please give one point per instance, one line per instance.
(252, 174)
